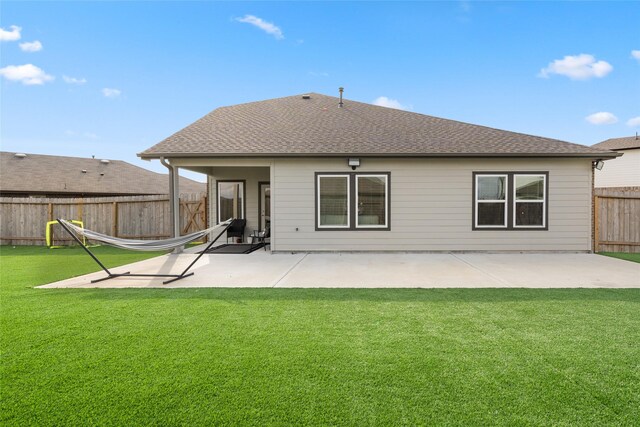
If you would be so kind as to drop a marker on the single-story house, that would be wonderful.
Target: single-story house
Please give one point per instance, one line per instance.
(328, 174)
(33, 175)
(623, 171)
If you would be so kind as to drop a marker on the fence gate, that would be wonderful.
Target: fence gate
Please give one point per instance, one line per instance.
(193, 213)
(616, 220)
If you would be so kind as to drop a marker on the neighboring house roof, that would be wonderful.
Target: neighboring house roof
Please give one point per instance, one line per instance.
(625, 143)
(43, 174)
(317, 126)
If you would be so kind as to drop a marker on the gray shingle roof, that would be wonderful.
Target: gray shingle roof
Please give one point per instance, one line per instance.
(42, 174)
(293, 126)
(619, 143)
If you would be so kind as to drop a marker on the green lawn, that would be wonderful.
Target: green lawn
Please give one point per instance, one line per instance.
(622, 255)
(309, 356)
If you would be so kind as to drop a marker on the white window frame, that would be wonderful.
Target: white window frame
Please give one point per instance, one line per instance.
(505, 201)
(386, 200)
(543, 201)
(347, 178)
(218, 199)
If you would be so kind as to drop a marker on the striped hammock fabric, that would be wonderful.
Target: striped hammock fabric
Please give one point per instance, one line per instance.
(142, 245)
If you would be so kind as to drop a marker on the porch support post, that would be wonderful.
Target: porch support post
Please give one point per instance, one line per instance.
(274, 215)
(174, 201)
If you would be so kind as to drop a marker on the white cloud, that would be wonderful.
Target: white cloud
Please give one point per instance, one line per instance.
(577, 67)
(74, 80)
(10, 36)
(265, 26)
(465, 6)
(635, 54)
(634, 122)
(27, 74)
(383, 101)
(463, 12)
(111, 93)
(33, 46)
(602, 118)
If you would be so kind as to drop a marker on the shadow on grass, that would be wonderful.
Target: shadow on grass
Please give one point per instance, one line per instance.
(238, 295)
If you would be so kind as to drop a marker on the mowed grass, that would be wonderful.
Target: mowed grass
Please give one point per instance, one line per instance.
(622, 255)
(310, 356)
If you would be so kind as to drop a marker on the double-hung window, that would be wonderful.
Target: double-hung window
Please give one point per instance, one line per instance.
(491, 201)
(510, 200)
(529, 200)
(352, 201)
(371, 201)
(333, 201)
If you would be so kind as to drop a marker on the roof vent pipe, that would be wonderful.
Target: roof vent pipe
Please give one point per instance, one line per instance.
(20, 155)
(341, 89)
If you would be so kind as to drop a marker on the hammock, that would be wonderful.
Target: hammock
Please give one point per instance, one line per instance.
(142, 245)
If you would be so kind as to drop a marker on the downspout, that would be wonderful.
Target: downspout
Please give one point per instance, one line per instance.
(174, 202)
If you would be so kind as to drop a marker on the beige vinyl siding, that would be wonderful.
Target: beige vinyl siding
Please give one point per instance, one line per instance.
(431, 206)
(620, 172)
(252, 176)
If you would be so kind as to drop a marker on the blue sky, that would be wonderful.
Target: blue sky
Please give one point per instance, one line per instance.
(111, 79)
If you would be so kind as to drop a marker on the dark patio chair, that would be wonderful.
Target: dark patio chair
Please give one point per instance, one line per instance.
(236, 229)
(261, 236)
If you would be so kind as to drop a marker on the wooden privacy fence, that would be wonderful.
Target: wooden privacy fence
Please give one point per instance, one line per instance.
(23, 220)
(617, 220)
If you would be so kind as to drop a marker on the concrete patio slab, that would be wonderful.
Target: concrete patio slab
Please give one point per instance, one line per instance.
(258, 269)
(402, 270)
(377, 270)
(557, 270)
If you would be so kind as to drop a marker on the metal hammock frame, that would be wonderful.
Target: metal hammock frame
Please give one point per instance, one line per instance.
(181, 241)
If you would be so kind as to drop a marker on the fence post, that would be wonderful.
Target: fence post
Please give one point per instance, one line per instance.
(80, 206)
(114, 216)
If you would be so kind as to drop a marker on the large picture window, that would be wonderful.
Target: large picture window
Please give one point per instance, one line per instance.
(230, 200)
(352, 201)
(510, 200)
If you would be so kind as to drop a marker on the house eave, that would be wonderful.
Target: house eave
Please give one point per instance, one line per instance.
(592, 156)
